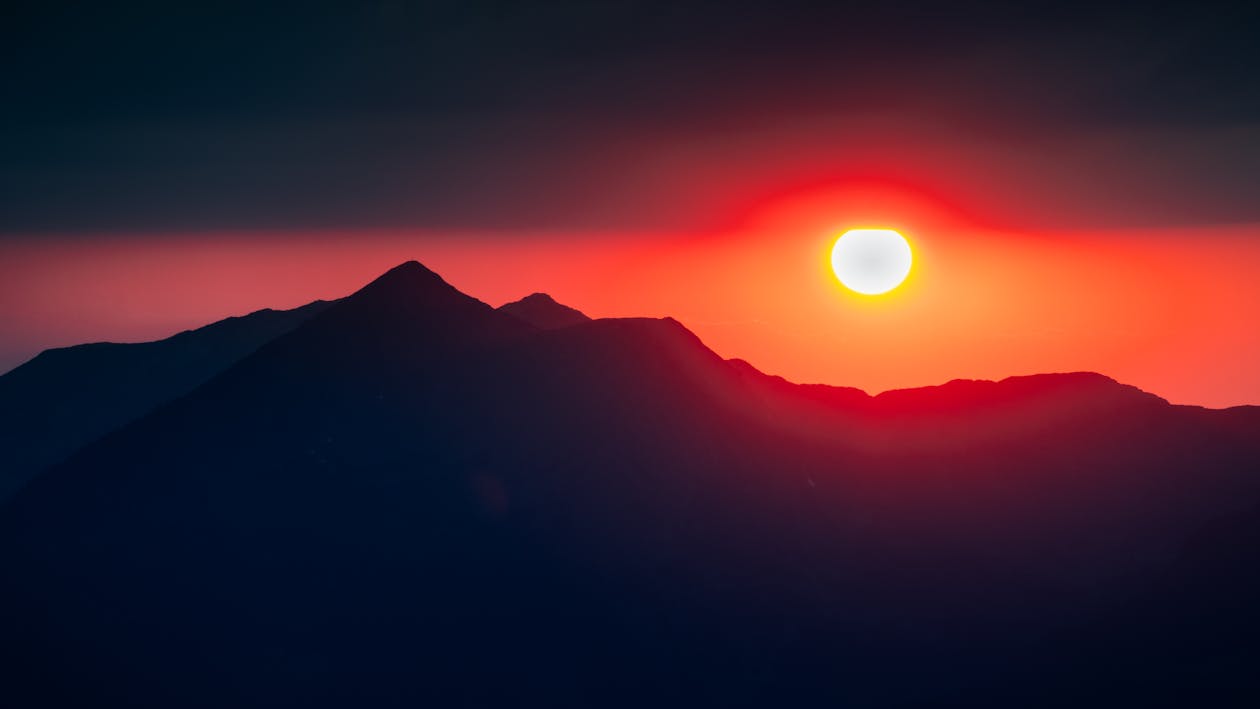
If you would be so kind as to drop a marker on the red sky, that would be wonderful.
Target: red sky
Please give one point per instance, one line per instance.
(1174, 311)
(1078, 180)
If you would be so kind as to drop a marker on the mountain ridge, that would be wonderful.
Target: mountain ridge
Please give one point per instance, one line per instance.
(412, 489)
(411, 287)
(65, 397)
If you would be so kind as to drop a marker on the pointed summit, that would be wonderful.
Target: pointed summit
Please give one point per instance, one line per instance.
(405, 280)
(410, 290)
(410, 267)
(542, 311)
(404, 315)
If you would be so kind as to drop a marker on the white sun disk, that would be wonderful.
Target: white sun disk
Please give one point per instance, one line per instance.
(871, 261)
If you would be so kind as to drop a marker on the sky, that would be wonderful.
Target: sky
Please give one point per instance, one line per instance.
(1077, 180)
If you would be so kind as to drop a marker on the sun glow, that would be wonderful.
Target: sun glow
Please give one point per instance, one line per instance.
(871, 261)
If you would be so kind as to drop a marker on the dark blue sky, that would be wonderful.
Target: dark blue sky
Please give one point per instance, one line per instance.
(172, 117)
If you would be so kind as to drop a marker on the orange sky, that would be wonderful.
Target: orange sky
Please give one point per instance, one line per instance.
(1175, 311)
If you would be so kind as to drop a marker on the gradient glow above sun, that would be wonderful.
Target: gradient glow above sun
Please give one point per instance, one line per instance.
(871, 261)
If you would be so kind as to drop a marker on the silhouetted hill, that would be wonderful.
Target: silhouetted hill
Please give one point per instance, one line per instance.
(541, 311)
(66, 397)
(406, 315)
(413, 498)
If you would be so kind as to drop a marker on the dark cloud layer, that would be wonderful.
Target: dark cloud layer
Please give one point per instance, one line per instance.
(586, 115)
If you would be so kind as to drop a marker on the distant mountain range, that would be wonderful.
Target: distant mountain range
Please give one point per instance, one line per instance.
(407, 497)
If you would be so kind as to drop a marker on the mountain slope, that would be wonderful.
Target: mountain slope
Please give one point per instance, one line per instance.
(414, 498)
(66, 397)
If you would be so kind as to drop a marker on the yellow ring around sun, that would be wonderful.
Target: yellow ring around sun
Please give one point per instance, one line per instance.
(871, 261)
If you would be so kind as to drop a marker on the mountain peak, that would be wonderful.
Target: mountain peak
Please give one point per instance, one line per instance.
(542, 311)
(538, 298)
(411, 287)
(406, 276)
(404, 312)
(409, 266)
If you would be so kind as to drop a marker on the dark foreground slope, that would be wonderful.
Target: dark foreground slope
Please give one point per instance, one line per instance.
(416, 499)
(66, 397)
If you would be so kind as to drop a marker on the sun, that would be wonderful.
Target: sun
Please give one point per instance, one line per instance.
(871, 261)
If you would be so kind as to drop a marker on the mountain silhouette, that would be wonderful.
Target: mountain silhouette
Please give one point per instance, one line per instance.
(542, 311)
(66, 397)
(414, 498)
